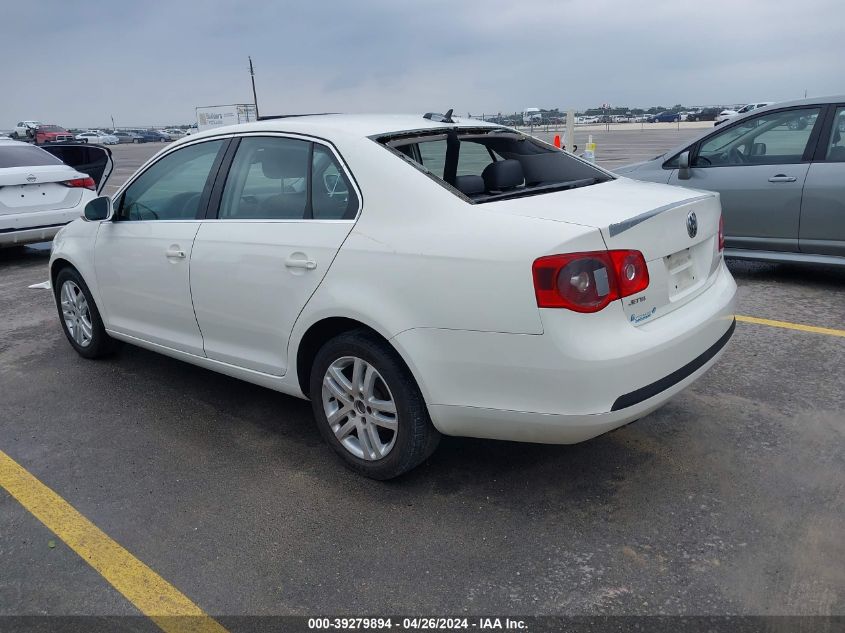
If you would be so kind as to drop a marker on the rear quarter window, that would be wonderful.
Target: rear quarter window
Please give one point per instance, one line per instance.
(25, 156)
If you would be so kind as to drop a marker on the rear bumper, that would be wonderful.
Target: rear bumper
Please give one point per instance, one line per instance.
(39, 226)
(586, 375)
(30, 235)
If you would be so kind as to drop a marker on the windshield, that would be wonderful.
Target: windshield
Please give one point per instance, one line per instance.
(52, 128)
(486, 165)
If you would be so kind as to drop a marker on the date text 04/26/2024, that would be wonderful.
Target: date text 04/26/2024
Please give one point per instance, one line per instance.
(417, 624)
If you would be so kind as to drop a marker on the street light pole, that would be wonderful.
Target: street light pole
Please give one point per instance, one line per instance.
(254, 95)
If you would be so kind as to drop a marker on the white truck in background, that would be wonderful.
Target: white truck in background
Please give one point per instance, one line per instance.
(532, 116)
(210, 117)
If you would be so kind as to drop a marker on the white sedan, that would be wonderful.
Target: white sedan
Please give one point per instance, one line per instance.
(39, 193)
(413, 276)
(96, 137)
(724, 115)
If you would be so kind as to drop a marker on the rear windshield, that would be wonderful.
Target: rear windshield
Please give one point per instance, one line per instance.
(25, 156)
(486, 165)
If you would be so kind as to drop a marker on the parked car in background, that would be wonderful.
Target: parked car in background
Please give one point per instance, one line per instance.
(726, 114)
(25, 130)
(780, 171)
(93, 137)
(39, 194)
(124, 136)
(705, 114)
(665, 117)
(108, 137)
(175, 133)
(45, 134)
(149, 136)
(606, 302)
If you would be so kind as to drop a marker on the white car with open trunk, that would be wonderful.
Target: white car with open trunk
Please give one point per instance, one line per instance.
(39, 193)
(411, 275)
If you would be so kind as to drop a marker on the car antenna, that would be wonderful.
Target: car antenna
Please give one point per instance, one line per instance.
(440, 118)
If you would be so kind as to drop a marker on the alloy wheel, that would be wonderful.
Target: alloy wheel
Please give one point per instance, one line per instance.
(360, 408)
(76, 313)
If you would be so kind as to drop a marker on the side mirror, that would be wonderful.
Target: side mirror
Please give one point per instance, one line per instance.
(683, 166)
(758, 149)
(98, 209)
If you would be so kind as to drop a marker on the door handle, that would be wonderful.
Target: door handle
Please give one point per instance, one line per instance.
(174, 253)
(307, 264)
(782, 178)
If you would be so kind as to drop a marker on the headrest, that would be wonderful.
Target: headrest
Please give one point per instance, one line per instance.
(469, 185)
(283, 162)
(503, 174)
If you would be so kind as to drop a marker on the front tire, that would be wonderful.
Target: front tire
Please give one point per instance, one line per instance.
(80, 317)
(368, 407)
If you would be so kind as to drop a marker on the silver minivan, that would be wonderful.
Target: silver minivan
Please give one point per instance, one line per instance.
(780, 171)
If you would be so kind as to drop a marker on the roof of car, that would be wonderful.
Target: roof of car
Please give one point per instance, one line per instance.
(332, 125)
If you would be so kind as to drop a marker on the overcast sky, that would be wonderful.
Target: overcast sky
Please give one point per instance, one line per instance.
(153, 61)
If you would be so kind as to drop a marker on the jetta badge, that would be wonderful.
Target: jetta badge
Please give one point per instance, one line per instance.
(692, 224)
(31, 178)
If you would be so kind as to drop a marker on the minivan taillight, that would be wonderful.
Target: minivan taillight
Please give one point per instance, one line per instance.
(588, 282)
(87, 183)
(721, 232)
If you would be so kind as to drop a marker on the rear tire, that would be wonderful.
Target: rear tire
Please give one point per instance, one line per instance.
(397, 432)
(79, 316)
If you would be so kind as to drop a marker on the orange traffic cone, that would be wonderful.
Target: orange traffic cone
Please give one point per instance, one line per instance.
(557, 141)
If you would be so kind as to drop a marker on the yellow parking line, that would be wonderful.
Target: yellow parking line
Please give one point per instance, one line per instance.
(792, 326)
(156, 598)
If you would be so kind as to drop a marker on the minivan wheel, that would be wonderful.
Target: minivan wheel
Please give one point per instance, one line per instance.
(79, 316)
(368, 407)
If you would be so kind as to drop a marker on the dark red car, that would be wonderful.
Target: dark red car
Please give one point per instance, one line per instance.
(52, 134)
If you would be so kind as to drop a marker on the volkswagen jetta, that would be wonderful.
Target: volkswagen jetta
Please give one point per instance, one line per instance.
(411, 275)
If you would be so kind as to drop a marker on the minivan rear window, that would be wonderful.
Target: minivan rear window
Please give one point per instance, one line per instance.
(485, 165)
(25, 156)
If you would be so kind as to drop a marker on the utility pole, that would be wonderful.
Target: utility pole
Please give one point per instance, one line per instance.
(254, 95)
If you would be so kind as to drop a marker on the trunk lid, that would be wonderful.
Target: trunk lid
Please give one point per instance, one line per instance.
(30, 189)
(93, 160)
(652, 218)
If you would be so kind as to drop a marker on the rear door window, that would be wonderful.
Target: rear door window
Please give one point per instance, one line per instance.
(332, 195)
(836, 145)
(268, 180)
(277, 178)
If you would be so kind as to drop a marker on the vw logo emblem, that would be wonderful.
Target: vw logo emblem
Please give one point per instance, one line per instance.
(31, 178)
(692, 224)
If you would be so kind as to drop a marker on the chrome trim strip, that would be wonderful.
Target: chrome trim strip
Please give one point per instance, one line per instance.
(621, 227)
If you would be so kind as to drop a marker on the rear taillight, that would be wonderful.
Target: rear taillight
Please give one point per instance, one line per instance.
(588, 282)
(721, 232)
(87, 183)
